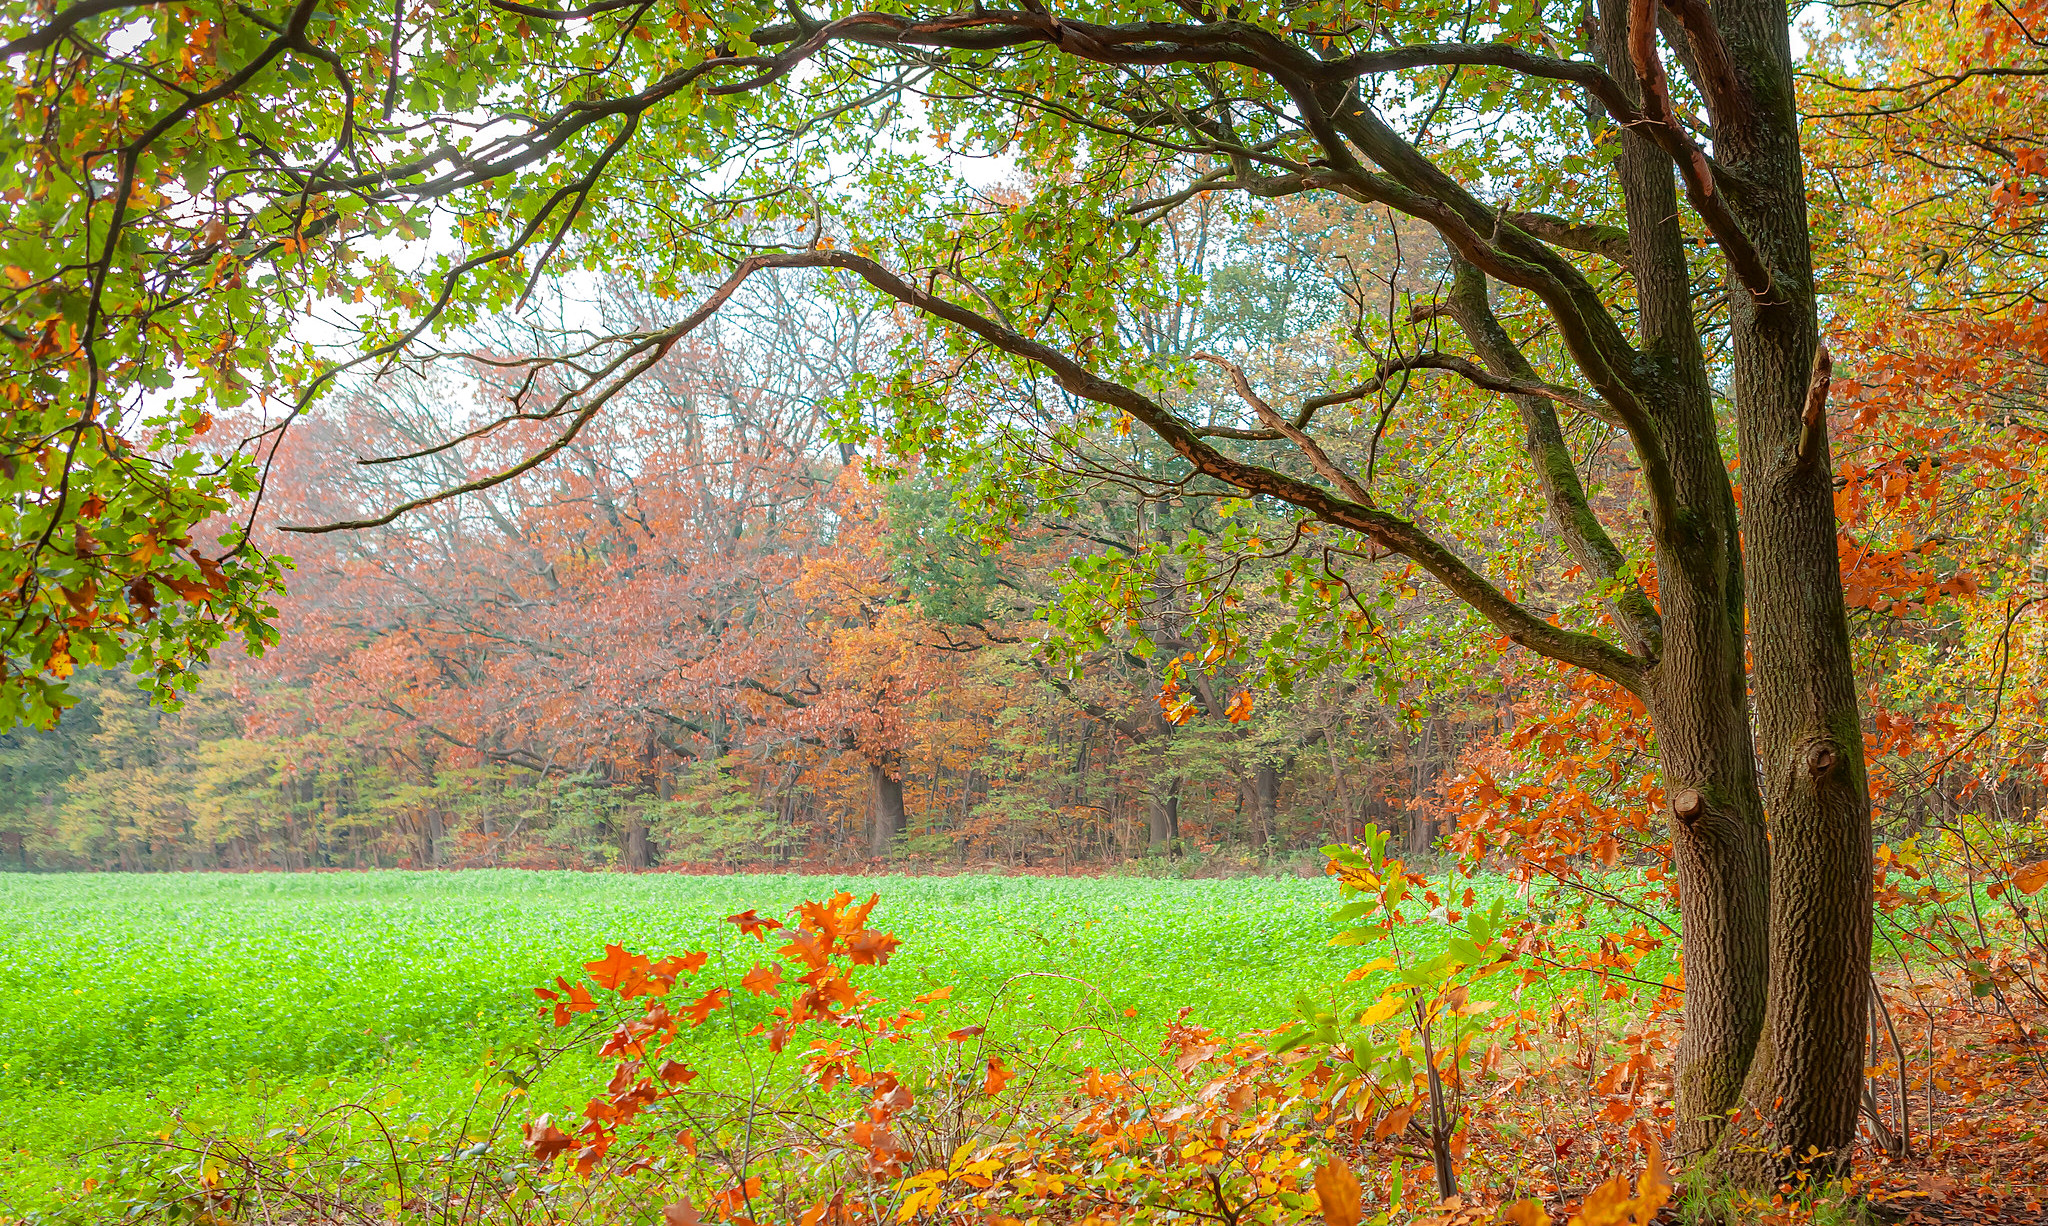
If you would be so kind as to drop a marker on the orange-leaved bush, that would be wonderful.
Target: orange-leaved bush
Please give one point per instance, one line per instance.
(846, 1108)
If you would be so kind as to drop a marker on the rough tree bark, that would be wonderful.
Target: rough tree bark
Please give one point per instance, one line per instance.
(1803, 1085)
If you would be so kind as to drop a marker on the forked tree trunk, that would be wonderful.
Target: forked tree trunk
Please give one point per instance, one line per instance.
(1266, 801)
(1777, 927)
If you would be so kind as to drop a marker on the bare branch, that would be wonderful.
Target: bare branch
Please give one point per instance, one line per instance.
(1319, 459)
(1694, 169)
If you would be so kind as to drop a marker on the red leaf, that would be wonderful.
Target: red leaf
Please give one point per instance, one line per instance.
(612, 969)
(675, 1073)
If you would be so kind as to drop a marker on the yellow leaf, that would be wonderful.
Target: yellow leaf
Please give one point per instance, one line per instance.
(1337, 1189)
(1382, 1009)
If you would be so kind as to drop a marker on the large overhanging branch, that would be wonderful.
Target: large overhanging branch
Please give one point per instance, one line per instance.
(1323, 94)
(1387, 530)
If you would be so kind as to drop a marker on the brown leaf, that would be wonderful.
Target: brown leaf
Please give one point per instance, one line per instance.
(546, 1140)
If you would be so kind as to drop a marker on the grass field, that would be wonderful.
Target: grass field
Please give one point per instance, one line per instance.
(128, 1002)
(124, 999)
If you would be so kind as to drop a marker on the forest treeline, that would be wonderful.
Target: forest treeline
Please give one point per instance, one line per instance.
(710, 636)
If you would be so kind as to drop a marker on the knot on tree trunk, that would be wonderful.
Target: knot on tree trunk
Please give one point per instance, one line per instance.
(1688, 805)
(1821, 758)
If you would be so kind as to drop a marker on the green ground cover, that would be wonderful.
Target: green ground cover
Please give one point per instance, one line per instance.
(129, 1001)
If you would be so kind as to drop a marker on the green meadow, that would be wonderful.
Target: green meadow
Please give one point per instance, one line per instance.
(133, 1004)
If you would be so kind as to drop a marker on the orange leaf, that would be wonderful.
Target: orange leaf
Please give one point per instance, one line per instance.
(1240, 707)
(546, 1140)
(672, 969)
(1337, 1189)
(1392, 1122)
(676, 1073)
(682, 1213)
(964, 1033)
(753, 925)
(998, 1077)
(610, 970)
(1524, 1213)
(870, 948)
(2032, 877)
(579, 1001)
(702, 1008)
(763, 981)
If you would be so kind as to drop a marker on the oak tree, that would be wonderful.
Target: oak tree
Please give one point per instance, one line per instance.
(211, 204)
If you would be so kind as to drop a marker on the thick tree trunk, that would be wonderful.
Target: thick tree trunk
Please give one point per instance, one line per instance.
(1266, 801)
(636, 852)
(1804, 1086)
(1162, 816)
(885, 794)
